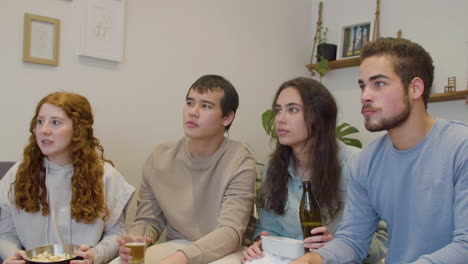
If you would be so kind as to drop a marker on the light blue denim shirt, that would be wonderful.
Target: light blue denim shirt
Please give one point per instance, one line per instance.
(288, 224)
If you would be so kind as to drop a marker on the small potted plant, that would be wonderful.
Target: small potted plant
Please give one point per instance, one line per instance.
(325, 51)
(321, 67)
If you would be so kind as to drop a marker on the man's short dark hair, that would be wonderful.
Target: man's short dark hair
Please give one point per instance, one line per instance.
(210, 83)
(409, 59)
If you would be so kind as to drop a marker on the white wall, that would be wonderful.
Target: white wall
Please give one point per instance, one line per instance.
(255, 44)
(169, 44)
(439, 26)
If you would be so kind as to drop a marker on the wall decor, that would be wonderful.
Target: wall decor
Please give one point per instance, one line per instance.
(41, 39)
(352, 39)
(451, 85)
(101, 29)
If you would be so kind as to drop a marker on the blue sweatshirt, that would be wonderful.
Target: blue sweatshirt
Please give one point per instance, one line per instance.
(422, 194)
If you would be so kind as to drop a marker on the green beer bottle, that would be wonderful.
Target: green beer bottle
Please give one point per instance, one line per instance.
(309, 211)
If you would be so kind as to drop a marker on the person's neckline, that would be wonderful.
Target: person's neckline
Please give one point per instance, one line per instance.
(53, 165)
(200, 146)
(435, 123)
(411, 136)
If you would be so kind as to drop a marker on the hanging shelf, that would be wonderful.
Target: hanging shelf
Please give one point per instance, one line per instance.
(458, 95)
(339, 64)
(352, 62)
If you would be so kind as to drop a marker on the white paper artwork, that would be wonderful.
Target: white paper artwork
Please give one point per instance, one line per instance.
(102, 24)
(42, 40)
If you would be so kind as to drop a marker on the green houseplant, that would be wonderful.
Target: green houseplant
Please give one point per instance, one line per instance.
(342, 131)
(323, 49)
(321, 67)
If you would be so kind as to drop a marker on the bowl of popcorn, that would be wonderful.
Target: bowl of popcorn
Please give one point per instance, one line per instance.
(56, 253)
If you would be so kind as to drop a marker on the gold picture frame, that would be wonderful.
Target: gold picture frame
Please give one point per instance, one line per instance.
(41, 39)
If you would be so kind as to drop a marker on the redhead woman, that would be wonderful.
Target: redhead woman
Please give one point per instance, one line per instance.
(63, 191)
(305, 115)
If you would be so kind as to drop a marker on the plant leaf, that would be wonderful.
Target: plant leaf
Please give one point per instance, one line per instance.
(267, 121)
(321, 67)
(348, 131)
(345, 129)
(352, 142)
(338, 128)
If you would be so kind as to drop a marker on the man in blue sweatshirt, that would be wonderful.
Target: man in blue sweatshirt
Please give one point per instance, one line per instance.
(415, 177)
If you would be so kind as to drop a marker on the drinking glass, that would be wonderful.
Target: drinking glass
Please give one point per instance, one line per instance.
(135, 236)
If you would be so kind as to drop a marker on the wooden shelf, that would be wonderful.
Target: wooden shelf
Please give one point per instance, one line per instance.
(439, 97)
(352, 62)
(338, 64)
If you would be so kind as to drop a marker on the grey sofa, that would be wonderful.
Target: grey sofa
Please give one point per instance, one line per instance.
(4, 167)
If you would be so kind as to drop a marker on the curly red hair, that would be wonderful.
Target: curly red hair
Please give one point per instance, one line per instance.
(88, 202)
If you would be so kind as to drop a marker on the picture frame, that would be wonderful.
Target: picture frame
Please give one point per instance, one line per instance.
(352, 39)
(101, 29)
(41, 39)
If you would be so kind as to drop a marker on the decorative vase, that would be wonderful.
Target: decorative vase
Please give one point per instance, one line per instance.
(328, 51)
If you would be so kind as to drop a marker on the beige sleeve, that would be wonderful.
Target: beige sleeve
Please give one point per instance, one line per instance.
(148, 209)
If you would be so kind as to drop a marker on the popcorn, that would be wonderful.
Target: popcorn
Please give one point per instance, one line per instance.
(48, 257)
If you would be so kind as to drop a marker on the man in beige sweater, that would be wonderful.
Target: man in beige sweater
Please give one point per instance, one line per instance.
(200, 188)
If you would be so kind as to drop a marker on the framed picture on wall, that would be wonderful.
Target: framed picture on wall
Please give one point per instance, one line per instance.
(41, 39)
(101, 29)
(352, 39)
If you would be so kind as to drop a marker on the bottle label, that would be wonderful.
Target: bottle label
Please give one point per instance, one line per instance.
(314, 224)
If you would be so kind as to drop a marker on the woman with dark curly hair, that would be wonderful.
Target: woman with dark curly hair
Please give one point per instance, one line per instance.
(64, 190)
(307, 149)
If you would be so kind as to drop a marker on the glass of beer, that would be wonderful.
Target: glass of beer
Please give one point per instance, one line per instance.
(135, 236)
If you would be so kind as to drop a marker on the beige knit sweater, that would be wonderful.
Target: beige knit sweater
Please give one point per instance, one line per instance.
(204, 200)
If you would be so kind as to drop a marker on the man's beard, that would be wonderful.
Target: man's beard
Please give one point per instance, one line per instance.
(391, 122)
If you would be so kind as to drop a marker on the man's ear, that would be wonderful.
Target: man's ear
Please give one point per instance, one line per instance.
(228, 118)
(416, 88)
